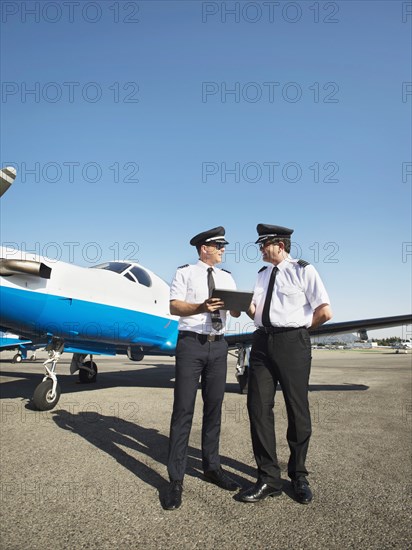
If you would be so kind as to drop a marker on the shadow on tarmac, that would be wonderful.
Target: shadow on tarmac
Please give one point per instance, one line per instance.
(115, 436)
(112, 434)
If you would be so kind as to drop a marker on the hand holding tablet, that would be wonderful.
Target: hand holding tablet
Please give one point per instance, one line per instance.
(233, 299)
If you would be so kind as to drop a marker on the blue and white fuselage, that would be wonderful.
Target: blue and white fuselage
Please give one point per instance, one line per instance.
(105, 309)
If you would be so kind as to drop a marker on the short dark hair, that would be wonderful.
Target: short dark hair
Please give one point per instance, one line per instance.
(283, 240)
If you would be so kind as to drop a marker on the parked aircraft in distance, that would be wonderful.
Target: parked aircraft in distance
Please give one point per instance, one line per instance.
(404, 346)
(12, 342)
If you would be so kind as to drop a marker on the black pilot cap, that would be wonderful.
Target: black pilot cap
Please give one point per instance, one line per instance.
(217, 234)
(267, 232)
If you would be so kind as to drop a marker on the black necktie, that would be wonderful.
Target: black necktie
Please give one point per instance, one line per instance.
(266, 307)
(215, 315)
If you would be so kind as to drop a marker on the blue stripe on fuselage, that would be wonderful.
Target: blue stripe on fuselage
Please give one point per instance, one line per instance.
(38, 313)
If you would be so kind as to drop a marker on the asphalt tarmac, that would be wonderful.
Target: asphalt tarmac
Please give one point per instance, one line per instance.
(89, 474)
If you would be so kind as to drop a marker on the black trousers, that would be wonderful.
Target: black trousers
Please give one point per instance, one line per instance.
(283, 357)
(195, 360)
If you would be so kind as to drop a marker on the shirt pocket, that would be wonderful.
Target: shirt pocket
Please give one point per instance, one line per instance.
(292, 295)
(197, 291)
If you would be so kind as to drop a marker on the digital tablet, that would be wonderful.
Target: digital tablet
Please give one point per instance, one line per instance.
(234, 299)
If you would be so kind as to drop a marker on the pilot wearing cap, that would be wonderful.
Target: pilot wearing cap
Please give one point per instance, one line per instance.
(201, 353)
(289, 298)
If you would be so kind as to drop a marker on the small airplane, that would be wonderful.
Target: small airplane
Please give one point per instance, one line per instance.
(115, 307)
(403, 347)
(12, 342)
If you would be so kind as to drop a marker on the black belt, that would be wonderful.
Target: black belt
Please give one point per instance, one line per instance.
(203, 338)
(277, 330)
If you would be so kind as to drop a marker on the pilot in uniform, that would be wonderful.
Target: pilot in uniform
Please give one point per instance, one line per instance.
(201, 352)
(289, 297)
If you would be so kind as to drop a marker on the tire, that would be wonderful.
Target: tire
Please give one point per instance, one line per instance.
(17, 358)
(86, 377)
(41, 397)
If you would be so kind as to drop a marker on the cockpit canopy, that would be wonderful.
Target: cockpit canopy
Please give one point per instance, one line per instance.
(132, 272)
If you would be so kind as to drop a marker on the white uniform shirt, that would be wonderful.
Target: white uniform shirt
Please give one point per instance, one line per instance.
(298, 291)
(190, 285)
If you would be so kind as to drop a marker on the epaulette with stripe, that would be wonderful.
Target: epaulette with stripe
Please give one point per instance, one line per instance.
(303, 263)
(182, 266)
(262, 268)
(226, 271)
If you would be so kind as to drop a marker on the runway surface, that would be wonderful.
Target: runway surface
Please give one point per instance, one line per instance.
(89, 473)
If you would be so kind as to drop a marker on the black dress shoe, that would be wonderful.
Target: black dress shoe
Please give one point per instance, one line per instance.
(222, 479)
(258, 492)
(173, 497)
(302, 492)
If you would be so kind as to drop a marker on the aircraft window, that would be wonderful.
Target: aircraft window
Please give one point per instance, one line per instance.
(133, 274)
(142, 276)
(117, 267)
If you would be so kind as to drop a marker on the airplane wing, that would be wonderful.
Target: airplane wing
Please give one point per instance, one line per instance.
(12, 343)
(7, 176)
(21, 345)
(361, 326)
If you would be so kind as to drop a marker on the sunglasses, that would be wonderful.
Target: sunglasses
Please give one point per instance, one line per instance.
(217, 245)
(266, 243)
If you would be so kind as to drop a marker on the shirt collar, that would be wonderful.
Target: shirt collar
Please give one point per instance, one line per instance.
(204, 266)
(284, 263)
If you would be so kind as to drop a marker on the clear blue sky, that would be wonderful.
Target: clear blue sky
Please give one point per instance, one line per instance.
(135, 125)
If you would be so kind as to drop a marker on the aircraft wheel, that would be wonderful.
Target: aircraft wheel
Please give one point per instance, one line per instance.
(17, 358)
(42, 399)
(85, 376)
(243, 382)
